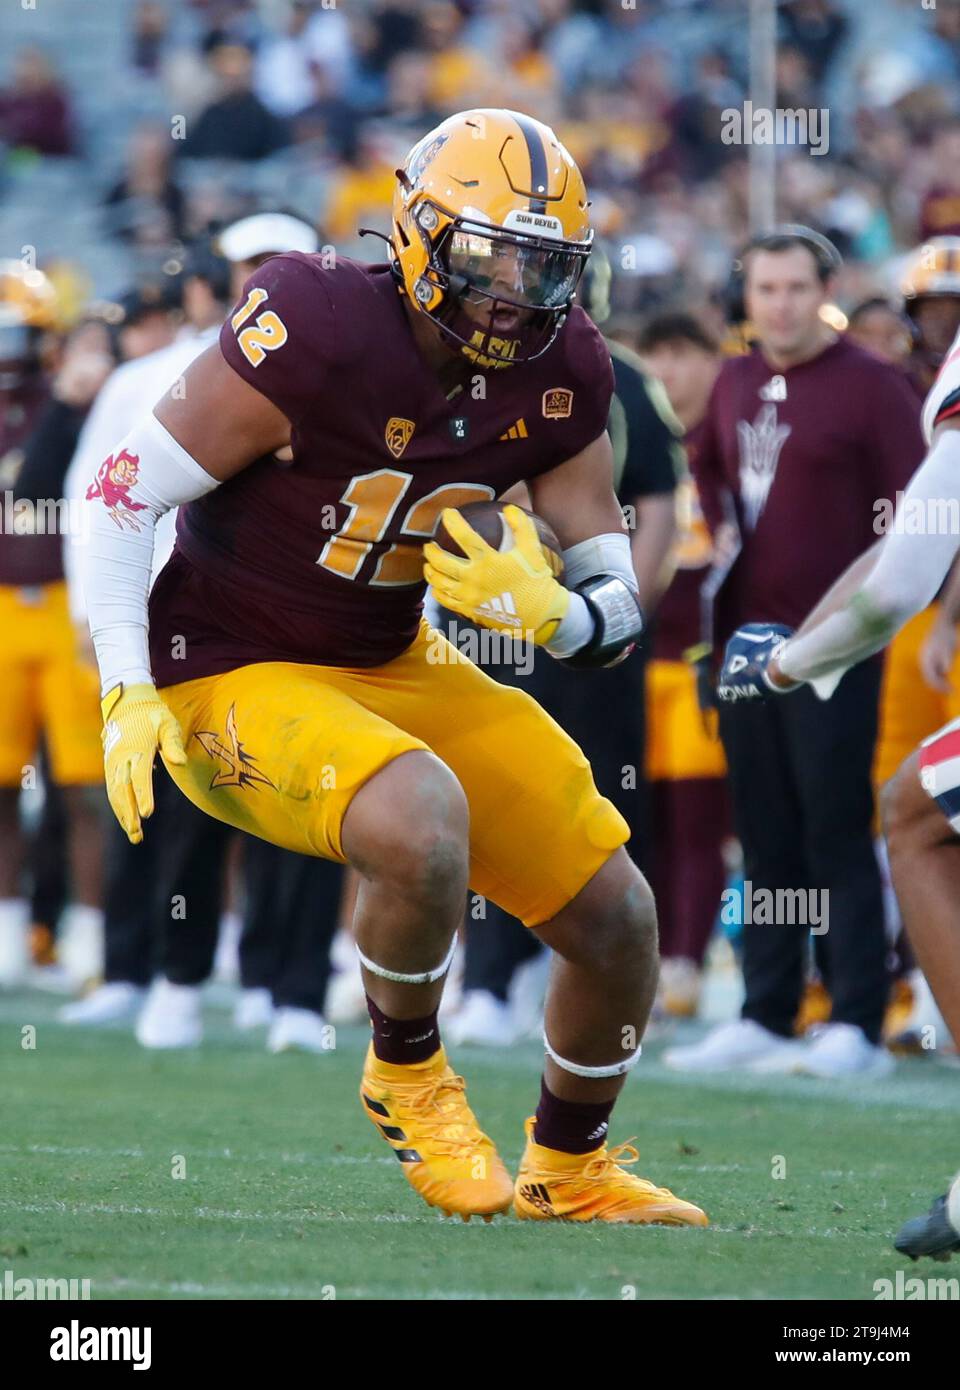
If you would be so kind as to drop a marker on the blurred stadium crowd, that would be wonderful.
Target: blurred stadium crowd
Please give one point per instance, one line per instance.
(133, 134)
(130, 125)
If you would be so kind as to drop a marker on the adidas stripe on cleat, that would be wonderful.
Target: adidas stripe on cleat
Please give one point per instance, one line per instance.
(555, 1186)
(421, 1111)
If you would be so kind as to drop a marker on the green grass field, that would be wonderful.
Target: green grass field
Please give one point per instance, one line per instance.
(288, 1191)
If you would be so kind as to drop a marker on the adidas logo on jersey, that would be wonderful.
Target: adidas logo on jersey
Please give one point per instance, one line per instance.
(518, 430)
(502, 610)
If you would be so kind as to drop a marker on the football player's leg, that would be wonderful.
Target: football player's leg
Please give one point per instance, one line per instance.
(69, 696)
(921, 814)
(406, 832)
(602, 984)
(19, 733)
(548, 848)
(286, 752)
(924, 850)
(70, 711)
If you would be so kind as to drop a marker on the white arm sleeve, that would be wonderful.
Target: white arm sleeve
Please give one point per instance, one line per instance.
(146, 475)
(606, 554)
(912, 564)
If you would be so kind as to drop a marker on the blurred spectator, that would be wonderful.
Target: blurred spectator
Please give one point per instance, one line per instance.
(529, 80)
(795, 87)
(149, 35)
(815, 28)
(940, 210)
(801, 484)
(288, 63)
(362, 191)
(880, 327)
(35, 108)
(408, 96)
(237, 125)
(150, 318)
(327, 120)
(696, 117)
(146, 206)
(685, 761)
(396, 27)
(459, 76)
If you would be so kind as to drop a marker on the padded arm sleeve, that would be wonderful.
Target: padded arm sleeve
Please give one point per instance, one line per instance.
(606, 554)
(910, 568)
(147, 475)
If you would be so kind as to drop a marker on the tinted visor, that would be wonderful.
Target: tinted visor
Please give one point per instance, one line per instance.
(530, 273)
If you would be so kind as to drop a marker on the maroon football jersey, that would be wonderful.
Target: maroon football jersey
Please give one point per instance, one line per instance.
(25, 560)
(805, 455)
(320, 560)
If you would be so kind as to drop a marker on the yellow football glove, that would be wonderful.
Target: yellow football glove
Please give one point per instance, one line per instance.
(136, 724)
(513, 590)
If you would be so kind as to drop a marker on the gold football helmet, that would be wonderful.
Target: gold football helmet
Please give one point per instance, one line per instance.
(27, 298)
(933, 270)
(28, 306)
(491, 232)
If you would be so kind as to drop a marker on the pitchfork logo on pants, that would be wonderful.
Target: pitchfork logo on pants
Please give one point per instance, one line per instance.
(760, 445)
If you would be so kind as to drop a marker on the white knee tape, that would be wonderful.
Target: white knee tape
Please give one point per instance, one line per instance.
(425, 977)
(592, 1073)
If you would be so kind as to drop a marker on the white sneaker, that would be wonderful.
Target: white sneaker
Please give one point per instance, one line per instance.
(451, 1001)
(678, 993)
(111, 1003)
(528, 991)
(254, 1009)
(741, 1044)
(926, 1025)
(482, 1019)
(14, 942)
(170, 1018)
(299, 1030)
(842, 1049)
(226, 960)
(346, 1001)
(80, 944)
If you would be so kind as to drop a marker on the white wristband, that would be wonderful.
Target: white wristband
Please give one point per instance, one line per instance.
(606, 554)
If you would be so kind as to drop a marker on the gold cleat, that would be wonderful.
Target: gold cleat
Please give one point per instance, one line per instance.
(422, 1112)
(594, 1187)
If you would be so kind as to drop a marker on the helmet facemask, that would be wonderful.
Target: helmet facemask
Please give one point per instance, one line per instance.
(505, 293)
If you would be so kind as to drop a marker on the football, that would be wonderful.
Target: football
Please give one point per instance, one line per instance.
(487, 520)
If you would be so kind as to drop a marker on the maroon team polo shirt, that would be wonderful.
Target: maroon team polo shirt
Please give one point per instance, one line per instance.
(803, 455)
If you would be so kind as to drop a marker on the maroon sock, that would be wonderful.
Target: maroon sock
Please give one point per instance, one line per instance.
(573, 1126)
(403, 1040)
